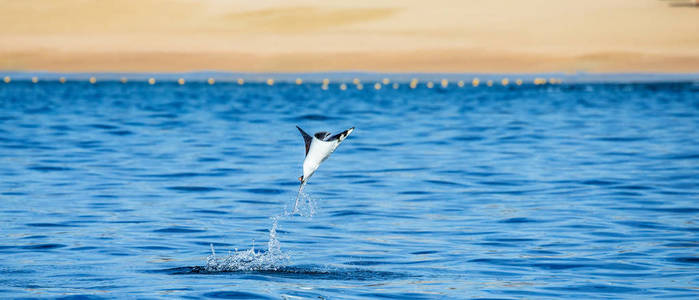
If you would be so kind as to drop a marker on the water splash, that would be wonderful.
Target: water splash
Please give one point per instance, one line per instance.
(251, 260)
(305, 206)
(259, 260)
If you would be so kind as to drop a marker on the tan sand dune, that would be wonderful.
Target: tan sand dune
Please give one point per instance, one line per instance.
(380, 35)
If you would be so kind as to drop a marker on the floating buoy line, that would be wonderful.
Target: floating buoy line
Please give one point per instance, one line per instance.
(325, 84)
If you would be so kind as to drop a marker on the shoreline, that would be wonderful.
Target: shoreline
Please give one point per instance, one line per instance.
(435, 61)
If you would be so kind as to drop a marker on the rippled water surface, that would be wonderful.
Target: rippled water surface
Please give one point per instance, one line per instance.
(121, 190)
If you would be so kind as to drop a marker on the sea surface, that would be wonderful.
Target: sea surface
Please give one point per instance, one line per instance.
(579, 190)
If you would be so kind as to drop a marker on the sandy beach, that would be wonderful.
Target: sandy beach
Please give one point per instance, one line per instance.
(401, 36)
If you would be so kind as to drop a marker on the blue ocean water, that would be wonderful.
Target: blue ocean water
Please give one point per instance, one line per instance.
(114, 190)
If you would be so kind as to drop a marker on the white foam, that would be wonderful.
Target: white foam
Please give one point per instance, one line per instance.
(250, 260)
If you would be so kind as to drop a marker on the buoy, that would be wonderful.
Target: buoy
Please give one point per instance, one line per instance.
(430, 84)
(299, 81)
(35, 79)
(413, 83)
(270, 82)
(211, 81)
(461, 83)
(241, 81)
(93, 80)
(377, 86)
(518, 81)
(151, 81)
(62, 80)
(505, 82)
(7, 79)
(326, 81)
(180, 81)
(324, 87)
(475, 82)
(343, 87)
(395, 85)
(123, 80)
(445, 83)
(489, 83)
(360, 86)
(355, 81)
(386, 81)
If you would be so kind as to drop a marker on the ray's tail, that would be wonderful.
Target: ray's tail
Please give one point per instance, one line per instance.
(298, 196)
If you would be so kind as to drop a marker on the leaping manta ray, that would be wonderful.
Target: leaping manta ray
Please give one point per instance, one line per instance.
(318, 149)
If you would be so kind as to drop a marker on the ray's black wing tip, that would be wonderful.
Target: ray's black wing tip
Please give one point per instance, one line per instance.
(307, 139)
(301, 130)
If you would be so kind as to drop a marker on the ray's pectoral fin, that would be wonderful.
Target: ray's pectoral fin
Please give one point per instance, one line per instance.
(340, 136)
(307, 139)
